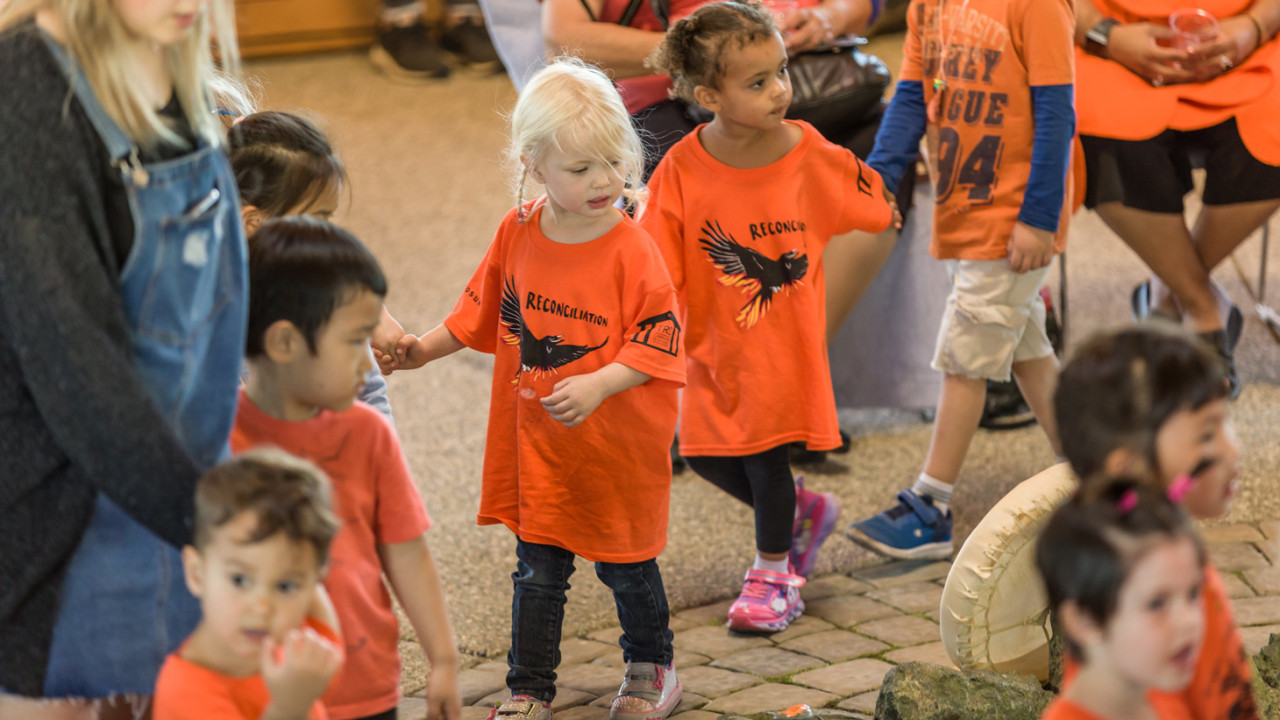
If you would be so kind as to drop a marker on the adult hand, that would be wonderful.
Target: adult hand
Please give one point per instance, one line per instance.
(806, 28)
(1237, 39)
(1147, 50)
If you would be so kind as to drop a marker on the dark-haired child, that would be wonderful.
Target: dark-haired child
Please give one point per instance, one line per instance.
(1150, 402)
(743, 208)
(284, 165)
(315, 296)
(1124, 572)
(266, 646)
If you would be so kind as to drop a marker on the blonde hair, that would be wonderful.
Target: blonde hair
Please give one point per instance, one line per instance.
(96, 37)
(570, 104)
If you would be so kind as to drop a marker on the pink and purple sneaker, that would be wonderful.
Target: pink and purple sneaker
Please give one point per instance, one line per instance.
(768, 603)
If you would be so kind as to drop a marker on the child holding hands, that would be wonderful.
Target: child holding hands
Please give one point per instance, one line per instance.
(574, 302)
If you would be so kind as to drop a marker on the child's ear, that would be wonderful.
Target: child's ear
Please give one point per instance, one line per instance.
(252, 217)
(193, 569)
(707, 97)
(1079, 625)
(1124, 462)
(283, 341)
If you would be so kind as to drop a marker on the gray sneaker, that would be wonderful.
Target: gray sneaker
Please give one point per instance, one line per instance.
(649, 692)
(521, 707)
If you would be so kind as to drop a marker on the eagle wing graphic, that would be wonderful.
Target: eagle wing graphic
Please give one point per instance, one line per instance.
(509, 314)
(752, 272)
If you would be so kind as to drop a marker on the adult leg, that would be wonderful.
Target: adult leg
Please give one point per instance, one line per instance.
(541, 580)
(405, 49)
(1219, 229)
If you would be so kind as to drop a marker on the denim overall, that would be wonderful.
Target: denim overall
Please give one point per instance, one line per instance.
(184, 286)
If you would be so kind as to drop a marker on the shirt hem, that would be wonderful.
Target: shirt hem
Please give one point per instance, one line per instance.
(527, 536)
(740, 449)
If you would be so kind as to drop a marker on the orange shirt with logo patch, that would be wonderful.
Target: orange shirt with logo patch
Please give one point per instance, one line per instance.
(744, 247)
(377, 503)
(1220, 687)
(990, 53)
(547, 311)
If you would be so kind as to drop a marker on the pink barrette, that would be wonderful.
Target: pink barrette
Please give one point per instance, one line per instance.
(1179, 488)
(1128, 501)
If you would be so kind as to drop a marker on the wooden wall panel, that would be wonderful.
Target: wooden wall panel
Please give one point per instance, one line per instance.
(277, 27)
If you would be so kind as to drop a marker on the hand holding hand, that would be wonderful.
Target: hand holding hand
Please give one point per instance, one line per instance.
(385, 336)
(574, 398)
(1029, 248)
(297, 672)
(409, 355)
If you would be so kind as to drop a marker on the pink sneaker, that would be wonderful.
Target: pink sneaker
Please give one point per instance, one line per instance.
(816, 515)
(768, 603)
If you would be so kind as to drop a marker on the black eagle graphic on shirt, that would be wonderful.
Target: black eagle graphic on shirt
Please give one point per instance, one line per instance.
(752, 272)
(537, 355)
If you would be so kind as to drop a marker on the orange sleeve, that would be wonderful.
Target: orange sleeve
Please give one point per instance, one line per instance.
(1045, 39)
(653, 343)
(663, 219)
(912, 56)
(474, 318)
(865, 207)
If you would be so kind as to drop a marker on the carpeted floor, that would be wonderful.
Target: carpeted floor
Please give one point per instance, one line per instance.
(427, 191)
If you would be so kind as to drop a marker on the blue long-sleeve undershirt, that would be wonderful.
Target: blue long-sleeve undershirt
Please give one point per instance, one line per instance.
(1053, 108)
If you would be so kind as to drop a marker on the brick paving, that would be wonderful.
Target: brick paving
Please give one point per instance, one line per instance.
(856, 627)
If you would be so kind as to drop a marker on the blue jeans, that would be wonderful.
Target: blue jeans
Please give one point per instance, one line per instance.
(537, 614)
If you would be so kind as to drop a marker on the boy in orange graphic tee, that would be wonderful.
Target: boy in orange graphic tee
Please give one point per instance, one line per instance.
(574, 302)
(990, 84)
(265, 647)
(742, 209)
(315, 296)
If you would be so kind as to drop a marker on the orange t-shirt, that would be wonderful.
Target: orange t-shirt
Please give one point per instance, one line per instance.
(548, 311)
(1113, 102)
(744, 247)
(1062, 709)
(992, 52)
(1220, 688)
(374, 497)
(187, 691)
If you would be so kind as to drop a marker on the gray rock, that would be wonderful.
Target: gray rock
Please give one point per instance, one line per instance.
(1267, 662)
(921, 691)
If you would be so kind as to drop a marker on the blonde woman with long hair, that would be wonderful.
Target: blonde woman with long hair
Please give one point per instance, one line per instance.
(122, 323)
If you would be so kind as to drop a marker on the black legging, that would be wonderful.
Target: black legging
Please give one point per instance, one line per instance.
(762, 481)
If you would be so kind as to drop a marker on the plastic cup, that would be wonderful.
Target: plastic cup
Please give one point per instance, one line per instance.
(1194, 27)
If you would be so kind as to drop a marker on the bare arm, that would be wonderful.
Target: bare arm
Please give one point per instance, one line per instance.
(566, 27)
(414, 352)
(412, 572)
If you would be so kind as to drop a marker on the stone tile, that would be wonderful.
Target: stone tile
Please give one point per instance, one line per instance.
(609, 635)
(774, 696)
(847, 678)
(1236, 587)
(1256, 638)
(412, 708)
(803, 625)
(579, 650)
(1239, 532)
(834, 645)
(1271, 528)
(677, 623)
(492, 666)
(1264, 582)
(475, 683)
(707, 614)
(934, 615)
(585, 712)
(932, 653)
(713, 682)
(900, 572)
(690, 701)
(474, 712)
(824, 587)
(565, 699)
(683, 659)
(717, 642)
(1257, 611)
(767, 662)
(1270, 548)
(901, 631)
(695, 715)
(864, 703)
(914, 597)
(1233, 556)
(592, 678)
(848, 610)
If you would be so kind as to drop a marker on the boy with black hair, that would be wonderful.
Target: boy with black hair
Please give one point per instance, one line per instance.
(315, 296)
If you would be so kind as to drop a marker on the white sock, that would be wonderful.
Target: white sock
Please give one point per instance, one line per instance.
(778, 566)
(936, 489)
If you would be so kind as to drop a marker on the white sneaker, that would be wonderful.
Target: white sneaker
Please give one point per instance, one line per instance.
(649, 692)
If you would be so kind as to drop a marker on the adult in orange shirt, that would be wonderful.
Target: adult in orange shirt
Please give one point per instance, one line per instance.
(574, 303)
(742, 209)
(1151, 106)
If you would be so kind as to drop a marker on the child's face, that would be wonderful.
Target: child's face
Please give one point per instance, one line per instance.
(332, 376)
(1202, 444)
(249, 591)
(1154, 636)
(579, 183)
(755, 90)
(163, 22)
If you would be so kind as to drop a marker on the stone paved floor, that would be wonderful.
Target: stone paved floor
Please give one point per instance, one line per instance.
(855, 628)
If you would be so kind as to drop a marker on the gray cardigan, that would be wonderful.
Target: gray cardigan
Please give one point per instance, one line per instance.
(75, 418)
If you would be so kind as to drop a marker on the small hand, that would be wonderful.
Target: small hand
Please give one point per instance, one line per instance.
(893, 205)
(386, 334)
(444, 701)
(1029, 248)
(574, 398)
(298, 670)
(806, 28)
(1148, 51)
(409, 354)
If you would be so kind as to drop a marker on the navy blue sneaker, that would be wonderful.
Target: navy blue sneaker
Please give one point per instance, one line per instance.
(910, 530)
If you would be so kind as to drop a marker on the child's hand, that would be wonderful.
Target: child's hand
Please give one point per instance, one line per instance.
(1029, 248)
(385, 336)
(573, 399)
(387, 364)
(409, 355)
(444, 702)
(297, 672)
(893, 205)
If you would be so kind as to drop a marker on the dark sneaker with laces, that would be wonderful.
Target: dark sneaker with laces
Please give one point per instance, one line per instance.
(408, 53)
(910, 530)
(470, 43)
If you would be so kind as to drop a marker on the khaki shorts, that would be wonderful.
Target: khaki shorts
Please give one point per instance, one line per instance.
(993, 319)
